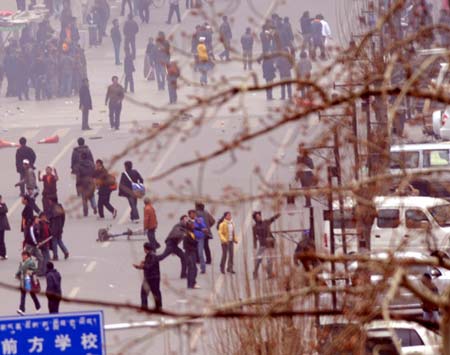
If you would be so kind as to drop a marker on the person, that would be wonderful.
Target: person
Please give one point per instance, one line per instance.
(190, 246)
(225, 37)
(26, 269)
(150, 223)
(76, 155)
(173, 73)
(114, 98)
(49, 180)
(326, 30)
(305, 26)
(430, 310)
(144, 11)
(4, 226)
(53, 290)
(203, 62)
(162, 59)
(305, 173)
(269, 74)
(247, 48)
(128, 177)
(304, 68)
(152, 278)
(30, 184)
(189, 4)
(91, 20)
(130, 30)
(227, 235)
(150, 58)
(85, 183)
(209, 221)
(284, 66)
(200, 230)
(106, 183)
(116, 38)
(317, 40)
(122, 9)
(27, 214)
(174, 7)
(44, 240)
(263, 236)
(31, 244)
(24, 152)
(174, 238)
(129, 69)
(57, 221)
(85, 104)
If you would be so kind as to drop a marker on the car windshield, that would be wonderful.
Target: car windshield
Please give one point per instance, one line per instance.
(404, 160)
(441, 214)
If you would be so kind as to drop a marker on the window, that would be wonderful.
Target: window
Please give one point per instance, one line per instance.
(408, 337)
(404, 160)
(388, 218)
(415, 219)
(347, 219)
(441, 214)
(437, 157)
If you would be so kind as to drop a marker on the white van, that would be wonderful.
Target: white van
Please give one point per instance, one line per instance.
(416, 223)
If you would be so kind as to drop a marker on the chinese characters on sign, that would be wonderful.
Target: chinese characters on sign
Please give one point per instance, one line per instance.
(66, 333)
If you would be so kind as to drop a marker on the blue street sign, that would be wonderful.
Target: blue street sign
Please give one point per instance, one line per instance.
(78, 333)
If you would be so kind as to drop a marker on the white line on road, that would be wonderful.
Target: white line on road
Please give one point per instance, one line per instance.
(73, 292)
(91, 266)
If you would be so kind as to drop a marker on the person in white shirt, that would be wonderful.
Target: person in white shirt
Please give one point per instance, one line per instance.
(227, 234)
(326, 30)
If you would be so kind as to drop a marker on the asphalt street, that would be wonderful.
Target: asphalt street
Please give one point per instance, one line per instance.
(103, 270)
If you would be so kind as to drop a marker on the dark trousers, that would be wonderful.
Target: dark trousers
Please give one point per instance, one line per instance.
(46, 203)
(207, 251)
(130, 46)
(129, 80)
(152, 238)
(117, 52)
(174, 8)
(172, 87)
(114, 115)
(122, 10)
(172, 248)
(21, 5)
(53, 304)
(160, 75)
(269, 94)
(57, 241)
(45, 257)
(191, 267)
(134, 213)
(227, 253)
(247, 59)
(144, 13)
(153, 286)
(189, 4)
(2, 243)
(286, 88)
(103, 202)
(22, 186)
(84, 118)
(23, 294)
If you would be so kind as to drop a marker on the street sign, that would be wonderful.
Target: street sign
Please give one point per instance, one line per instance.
(78, 333)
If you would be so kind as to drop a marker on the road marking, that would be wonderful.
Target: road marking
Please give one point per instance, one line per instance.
(53, 164)
(91, 266)
(73, 292)
(220, 280)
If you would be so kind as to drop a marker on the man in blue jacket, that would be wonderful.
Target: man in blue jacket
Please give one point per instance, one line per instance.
(200, 232)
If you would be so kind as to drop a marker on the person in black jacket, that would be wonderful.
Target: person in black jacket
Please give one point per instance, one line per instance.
(104, 182)
(24, 152)
(4, 226)
(128, 68)
(152, 277)
(85, 104)
(209, 221)
(174, 238)
(269, 71)
(247, 48)
(116, 38)
(128, 177)
(57, 220)
(191, 251)
(284, 65)
(305, 26)
(53, 290)
(130, 30)
(263, 236)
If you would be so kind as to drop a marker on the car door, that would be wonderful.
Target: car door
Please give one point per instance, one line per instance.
(387, 230)
(417, 234)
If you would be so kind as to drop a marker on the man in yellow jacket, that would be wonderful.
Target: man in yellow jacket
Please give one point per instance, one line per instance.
(227, 235)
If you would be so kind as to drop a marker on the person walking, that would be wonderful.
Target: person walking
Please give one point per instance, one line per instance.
(130, 30)
(122, 8)
(24, 152)
(27, 214)
(209, 221)
(203, 61)
(317, 39)
(27, 267)
(269, 74)
(106, 184)
(305, 27)
(152, 278)
(4, 226)
(29, 184)
(190, 246)
(150, 58)
(200, 230)
(31, 244)
(144, 11)
(304, 69)
(116, 38)
(49, 180)
(150, 223)
(174, 238)
(174, 7)
(44, 240)
(247, 48)
(53, 290)
(225, 37)
(227, 235)
(284, 66)
(173, 73)
(263, 236)
(128, 67)
(86, 184)
(114, 98)
(162, 59)
(85, 104)
(57, 221)
(129, 177)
